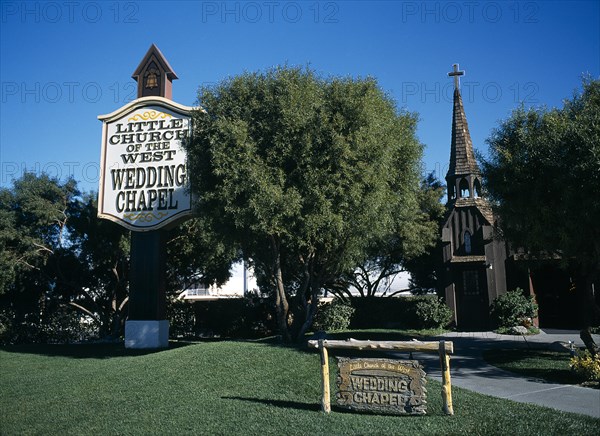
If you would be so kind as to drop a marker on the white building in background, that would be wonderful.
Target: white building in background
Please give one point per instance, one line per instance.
(241, 282)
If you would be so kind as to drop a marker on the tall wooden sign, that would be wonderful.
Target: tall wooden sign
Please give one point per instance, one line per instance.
(144, 187)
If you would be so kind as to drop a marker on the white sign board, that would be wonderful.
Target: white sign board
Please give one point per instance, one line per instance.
(143, 178)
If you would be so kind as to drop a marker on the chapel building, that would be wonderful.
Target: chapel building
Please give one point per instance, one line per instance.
(477, 265)
(473, 272)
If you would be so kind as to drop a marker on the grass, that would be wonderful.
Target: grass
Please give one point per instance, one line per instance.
(237, 388)
(552, 366)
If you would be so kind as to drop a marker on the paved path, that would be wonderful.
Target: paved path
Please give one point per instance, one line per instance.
(470, 371)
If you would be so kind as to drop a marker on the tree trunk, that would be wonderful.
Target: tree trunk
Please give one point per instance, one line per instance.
(589, 310)
(281, 304)
(590, 344)
(310, 313)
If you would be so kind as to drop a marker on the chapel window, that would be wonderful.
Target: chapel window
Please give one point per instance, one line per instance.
(467, 240)
(471, 282)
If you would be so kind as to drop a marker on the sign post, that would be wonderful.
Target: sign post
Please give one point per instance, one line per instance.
(144, 187)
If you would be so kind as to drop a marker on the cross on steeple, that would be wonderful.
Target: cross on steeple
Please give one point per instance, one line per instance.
(456, 74)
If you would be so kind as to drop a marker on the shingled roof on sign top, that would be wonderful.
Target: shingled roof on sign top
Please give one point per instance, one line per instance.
(154, 53)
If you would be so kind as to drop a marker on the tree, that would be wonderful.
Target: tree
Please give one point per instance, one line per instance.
(543, 173)
(58, 257)
(33, 216)
(304, 172)
(423, 267)
(92, 275)
(33, 220)
(409, 247)
(199, 255)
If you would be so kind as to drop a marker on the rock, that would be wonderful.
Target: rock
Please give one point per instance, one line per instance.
(560, 346)
(519, 330)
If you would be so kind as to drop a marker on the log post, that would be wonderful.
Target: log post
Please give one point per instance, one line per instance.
(446, 382)
(325, 401)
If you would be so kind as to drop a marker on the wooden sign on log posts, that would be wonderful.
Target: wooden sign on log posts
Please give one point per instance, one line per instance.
(382, 385)
(443, 348)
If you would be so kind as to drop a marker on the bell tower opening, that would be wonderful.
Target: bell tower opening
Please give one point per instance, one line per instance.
(463, 188)
(477, 188)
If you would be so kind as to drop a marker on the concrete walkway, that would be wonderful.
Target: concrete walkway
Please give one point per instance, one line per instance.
(468, 370)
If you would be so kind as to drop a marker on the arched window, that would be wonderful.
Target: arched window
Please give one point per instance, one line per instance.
(467, 241)
(463, 188)
(477, 188)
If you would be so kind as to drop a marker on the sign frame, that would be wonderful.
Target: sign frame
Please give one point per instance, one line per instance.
(388, 386)
(183, 210)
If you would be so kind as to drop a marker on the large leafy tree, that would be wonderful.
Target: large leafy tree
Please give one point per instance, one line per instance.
(543, 173)
(304, 172)
(33, 220)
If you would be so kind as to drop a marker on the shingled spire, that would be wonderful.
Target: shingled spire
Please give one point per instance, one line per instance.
(463, 173)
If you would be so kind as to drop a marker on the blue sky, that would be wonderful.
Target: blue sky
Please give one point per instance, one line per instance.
(65, 63)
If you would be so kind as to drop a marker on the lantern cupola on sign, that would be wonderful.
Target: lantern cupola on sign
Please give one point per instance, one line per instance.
(155, 75)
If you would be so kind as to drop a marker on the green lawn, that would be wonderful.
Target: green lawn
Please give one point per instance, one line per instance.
(238, 388)
(552, 366)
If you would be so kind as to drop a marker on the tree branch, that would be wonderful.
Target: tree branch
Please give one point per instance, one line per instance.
(84, 310)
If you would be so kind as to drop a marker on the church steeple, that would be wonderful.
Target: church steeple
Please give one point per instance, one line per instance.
(463, 177)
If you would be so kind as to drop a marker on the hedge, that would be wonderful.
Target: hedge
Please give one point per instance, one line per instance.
(403, 312)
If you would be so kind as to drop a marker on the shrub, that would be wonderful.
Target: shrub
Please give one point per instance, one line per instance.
(59, 325)
(181, 319)
(248, 317)
(433, 313)
(512, 309)
(386, 312)
(65, 325)
(586, 366)
(377, 312)
(6, 327)
(334, 316)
